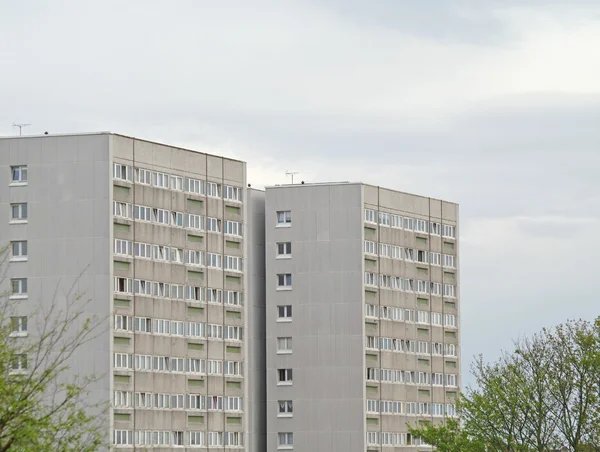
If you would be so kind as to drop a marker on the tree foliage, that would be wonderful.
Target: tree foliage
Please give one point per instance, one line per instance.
(43, 406)
(542, 396)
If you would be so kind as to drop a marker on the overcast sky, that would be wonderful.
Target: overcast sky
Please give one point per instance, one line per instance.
(492, 104)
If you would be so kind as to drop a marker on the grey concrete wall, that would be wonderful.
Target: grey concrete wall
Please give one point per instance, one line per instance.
(185, 163)
(68, 235)
(428, 209)
(327, 325)
(255, 307)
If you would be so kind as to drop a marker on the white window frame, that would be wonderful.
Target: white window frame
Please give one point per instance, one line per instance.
(285, 440)
(288, 377)
(213, 189)
(284, 345)
(285, 408)
(232, 193)
(18, 251)
(19, 171)
(21, 210)
(284, 281)
(287, 311)
(284, 218)
(143, 176)
(284, 250)
(18, 288)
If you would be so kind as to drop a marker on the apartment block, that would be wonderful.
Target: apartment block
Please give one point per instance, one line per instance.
(156, 236)
(362, 316)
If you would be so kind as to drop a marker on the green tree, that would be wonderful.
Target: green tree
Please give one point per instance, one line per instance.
(43, 406)
(448, 437)
(542, 396)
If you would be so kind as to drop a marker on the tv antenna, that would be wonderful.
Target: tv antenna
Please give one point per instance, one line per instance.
(289, 173)
(20, 126)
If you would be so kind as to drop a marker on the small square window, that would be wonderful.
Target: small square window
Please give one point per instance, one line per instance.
(18, 251)
(284, 218)
(19, 174)
(18, 287)
(18, 211)
(284, 376)
(285, 440)
(284, 280)
(285, 408)
(284, 249)
(284, 345)
(284, 313)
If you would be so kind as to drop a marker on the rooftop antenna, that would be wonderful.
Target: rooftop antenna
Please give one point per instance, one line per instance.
(289, 173)
(20, 126)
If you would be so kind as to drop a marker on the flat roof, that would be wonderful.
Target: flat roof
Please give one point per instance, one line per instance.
(118, 135)
(313, 184)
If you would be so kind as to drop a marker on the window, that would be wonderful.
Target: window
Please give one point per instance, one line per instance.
(284, 280)
(234, 368)
(234, 404)
(233, 263)
(233, 228)
(234, 333)
(214, 260)
(19, 174)
(286, 408)
(123, 323)
(18, 326)
(122, 210)
(435, 228)
(436, 258)
(194, 329)
(409, 223)
(142, 213)
(422, 256)
(396, 221)
(143, 400)
(123, 285)
(177, 438)
(284, 313)
(122, 172)
(449, 261)
(232, 193)
(142, 176)
(123, 438)
(449, 320)
(214, 367)
(234, 298)
(123, 361)
(284, 376)
(449, 290)
(384, 219)
(215, 439)
(18, 251)
(161, 216)
(284, 218)
(284, 249)
(449, 231)
(18, 287)
(177, 183)
(194, 221)
(213, 225)
(285, 440)
(194, 257)
(284, 345)
(215, 331)
(18, 211)
(194, 186)
(370, 279)
(196, 438)
(370, 310)
(177, 219)
(421, 226)
(234, 438)
(122, 399)
(370, 216)
(123, 247)
(213, 189)
(214, 295)
(409, 254)
(370, 247)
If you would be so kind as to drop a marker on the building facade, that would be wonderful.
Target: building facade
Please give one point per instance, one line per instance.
(362, 309)
(155, 236)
